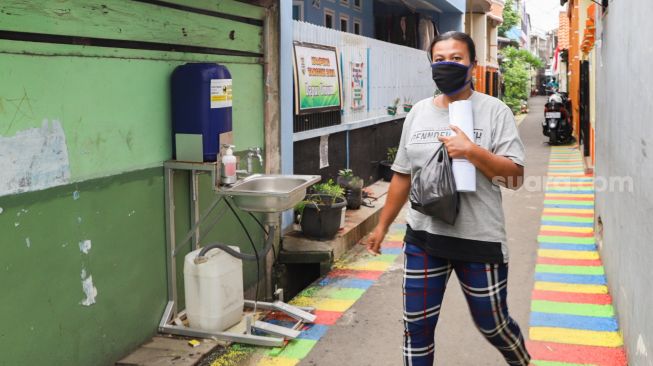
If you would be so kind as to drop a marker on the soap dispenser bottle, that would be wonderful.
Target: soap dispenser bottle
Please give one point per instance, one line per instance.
(228, 167)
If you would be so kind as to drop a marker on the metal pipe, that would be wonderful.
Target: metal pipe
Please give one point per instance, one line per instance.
(170, 238)
(194, 207)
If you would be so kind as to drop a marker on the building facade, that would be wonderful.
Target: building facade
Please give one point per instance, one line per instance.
(401, 22)
(482, 21)
(351, 16)
(577, 69)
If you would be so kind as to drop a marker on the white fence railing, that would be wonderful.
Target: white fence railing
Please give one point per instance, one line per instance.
(394, 71)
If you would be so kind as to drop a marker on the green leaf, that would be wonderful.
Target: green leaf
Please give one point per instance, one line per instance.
(511, 18)
(516, 73)
(392, 153)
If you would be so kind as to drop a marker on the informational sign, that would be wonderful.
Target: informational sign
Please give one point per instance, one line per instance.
(317, 79)
(221, 96)
(357, 85)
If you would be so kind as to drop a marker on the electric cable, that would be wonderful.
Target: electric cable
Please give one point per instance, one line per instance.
(266, 233)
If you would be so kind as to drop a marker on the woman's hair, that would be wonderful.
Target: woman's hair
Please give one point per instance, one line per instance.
(458, 36)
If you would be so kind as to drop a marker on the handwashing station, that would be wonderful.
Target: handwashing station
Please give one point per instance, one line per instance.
(213, 273)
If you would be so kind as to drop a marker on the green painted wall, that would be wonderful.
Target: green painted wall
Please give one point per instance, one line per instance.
(113, 106)
(41, 265)
(115, 111)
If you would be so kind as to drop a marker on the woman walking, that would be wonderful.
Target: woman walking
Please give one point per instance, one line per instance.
(475, 246)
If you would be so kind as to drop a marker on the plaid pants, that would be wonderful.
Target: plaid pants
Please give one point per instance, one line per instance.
(485, 288)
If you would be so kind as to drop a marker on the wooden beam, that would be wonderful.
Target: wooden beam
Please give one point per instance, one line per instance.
(262, 3)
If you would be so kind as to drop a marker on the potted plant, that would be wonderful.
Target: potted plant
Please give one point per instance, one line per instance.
(353, 187)
(385, 165)
(321, 211)
(392, 109)
(408, 105)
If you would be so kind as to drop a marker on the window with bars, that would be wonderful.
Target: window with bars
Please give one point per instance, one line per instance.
(306, 122)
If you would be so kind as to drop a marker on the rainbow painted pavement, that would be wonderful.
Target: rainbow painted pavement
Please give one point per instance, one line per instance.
(572, 318)
(331, 296)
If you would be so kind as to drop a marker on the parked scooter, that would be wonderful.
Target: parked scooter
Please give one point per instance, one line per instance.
(557, 124)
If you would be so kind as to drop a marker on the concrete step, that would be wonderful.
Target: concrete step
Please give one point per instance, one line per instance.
(170, 351)
(296, 248)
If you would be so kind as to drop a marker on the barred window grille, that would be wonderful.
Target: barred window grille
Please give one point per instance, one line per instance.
(305, 122)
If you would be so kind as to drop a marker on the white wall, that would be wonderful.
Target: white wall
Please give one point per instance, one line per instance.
(624, 148)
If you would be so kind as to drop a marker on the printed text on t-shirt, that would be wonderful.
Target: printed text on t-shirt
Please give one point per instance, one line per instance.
(431, 136)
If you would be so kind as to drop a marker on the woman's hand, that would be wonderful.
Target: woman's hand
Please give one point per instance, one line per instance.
(458, 146)
(375, 239)
(498, 169)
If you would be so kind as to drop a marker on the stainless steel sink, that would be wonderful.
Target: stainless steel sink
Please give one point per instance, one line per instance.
(269, 192)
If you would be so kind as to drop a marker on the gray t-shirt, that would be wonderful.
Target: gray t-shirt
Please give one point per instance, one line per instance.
(481, 213)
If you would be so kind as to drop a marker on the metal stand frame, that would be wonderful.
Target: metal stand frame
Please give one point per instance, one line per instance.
(166, 325)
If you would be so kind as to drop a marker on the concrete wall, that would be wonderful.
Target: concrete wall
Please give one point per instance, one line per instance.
(83, 134)
(493, 47)
(477, 28)
(451, 22)
(624, 148)
(458, 4)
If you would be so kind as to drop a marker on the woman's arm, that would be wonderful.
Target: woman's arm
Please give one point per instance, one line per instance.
(499, 169)
(397, 196)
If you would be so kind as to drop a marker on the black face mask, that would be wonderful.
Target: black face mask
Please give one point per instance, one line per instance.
(450, 77)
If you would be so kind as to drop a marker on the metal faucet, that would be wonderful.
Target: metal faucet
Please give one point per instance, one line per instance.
(249, 155)
(254, 152)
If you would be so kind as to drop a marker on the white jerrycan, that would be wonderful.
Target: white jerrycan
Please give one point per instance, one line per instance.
(214, 290)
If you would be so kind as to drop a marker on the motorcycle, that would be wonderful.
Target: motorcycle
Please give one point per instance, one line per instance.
(557, 124)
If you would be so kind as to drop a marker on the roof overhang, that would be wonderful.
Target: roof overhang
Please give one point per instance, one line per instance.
(495, 18)
(479, 6)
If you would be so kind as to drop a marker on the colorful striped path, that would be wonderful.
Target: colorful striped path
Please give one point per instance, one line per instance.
(572, 319)
(331, 296)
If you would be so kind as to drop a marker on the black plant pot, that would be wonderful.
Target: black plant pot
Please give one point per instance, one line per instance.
(386, 172)
(354, 198)
(353, 191)
(322, 221)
